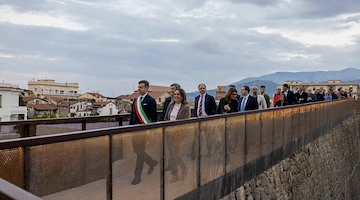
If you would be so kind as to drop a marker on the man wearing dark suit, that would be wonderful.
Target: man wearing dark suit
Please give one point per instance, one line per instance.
(247, 102)
(332, 94)
(173, 87)
(204, 103)
(289, 94)
(301, 96)
(144, 115)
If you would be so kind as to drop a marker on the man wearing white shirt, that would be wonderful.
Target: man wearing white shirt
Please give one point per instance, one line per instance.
(204, 103)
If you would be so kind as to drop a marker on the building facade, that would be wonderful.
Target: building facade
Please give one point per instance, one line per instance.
(105, 108)
(48, 87)
(351, 87)
(10, 100)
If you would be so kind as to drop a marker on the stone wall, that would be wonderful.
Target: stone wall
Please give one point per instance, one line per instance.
(327, 168)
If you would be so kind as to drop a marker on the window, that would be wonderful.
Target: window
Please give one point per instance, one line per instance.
(61, 91)
(35, 89)
(0, 102)
(111, 111)
(56, 91)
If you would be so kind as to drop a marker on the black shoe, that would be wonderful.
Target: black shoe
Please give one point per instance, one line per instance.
(151, 167)
(136, 181)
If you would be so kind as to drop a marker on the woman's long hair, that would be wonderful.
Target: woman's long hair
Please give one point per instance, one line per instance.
(229, 93)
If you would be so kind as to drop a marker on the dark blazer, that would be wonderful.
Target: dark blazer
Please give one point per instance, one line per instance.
(233, 104)
(319, 97)
(303, 96)
(334, 96)
(184, 111)
(251, 103)
(210, 104)
(290, 97)
(166, 104)
(267, 99)
(149, 106)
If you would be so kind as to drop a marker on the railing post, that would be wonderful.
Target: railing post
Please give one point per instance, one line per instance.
(162, 166)
(109, 181)
(225, 143)
(26, 168)
(83, 125)
(120, 119)
(198, 180)
(26, 130)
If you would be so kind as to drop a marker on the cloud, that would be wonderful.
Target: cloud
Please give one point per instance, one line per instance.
(109, 45)
(9, 15)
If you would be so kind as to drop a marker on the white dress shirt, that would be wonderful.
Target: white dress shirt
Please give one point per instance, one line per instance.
(175, 111)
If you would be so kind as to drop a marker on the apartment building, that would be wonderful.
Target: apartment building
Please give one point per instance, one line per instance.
(48, 87)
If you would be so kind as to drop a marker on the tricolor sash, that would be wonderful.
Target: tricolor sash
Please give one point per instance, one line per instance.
(140, 112)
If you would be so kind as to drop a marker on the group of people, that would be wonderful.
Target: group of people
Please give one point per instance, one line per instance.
(287, 97)
(175, 107)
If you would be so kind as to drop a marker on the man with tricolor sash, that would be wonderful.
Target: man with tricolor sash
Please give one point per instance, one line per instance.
(143, 112)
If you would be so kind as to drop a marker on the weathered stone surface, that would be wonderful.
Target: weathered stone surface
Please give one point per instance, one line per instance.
(324, 169)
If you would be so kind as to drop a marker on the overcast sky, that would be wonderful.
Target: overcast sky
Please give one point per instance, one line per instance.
(109, 45)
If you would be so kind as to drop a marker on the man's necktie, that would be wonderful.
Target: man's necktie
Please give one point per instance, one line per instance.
(201, 105)
(243, 104)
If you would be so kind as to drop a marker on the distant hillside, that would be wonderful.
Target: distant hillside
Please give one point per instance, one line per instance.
(270, 88)
(318, 76)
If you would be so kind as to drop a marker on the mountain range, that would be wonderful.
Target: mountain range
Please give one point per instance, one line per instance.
(272, 81)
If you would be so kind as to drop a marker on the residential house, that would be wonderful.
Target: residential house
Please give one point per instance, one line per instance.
(32, 100)
(105, 108)
(54, 100)
(39, 110)
(10, 108)
(95, 96)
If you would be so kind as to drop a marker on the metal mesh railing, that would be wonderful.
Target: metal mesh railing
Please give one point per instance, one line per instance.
(199, 158)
